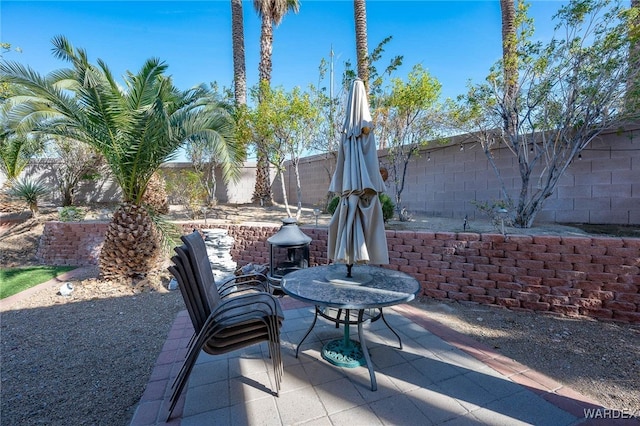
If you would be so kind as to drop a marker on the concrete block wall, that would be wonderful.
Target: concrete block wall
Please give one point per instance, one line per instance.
(315, 176)
(601, 187)
(236, 192)
(597, 277)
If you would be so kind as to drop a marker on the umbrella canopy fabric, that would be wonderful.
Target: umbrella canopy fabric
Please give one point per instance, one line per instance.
(356, 230)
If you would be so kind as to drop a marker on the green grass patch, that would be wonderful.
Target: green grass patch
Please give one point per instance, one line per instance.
(15, 280)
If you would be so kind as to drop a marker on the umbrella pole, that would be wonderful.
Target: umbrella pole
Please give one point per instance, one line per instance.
(349, 266)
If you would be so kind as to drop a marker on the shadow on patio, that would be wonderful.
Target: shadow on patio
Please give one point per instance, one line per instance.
(429, 381)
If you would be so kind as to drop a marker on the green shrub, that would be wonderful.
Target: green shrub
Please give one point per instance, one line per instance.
(28, 191)
(186, 187)
(385, 200)
(333, 205)
(387, 206)
(71, 214)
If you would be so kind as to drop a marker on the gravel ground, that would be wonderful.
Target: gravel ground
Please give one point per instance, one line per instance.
(85, 359)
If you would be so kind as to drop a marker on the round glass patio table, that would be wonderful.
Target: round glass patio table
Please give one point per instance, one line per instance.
(369, 288)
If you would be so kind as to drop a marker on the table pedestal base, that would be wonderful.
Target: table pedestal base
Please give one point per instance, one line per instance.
(344, 354)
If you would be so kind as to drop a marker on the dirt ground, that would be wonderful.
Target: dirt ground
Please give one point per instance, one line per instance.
(85, 359)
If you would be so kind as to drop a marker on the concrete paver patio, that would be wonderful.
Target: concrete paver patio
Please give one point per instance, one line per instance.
(439, 377)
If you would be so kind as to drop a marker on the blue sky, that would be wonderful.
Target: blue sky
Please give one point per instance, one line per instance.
(455, 40)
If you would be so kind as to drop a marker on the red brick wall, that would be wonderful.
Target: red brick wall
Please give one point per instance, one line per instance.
(597, 277)
(71, 243)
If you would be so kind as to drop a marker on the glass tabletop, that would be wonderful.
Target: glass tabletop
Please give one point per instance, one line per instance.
(369, 286)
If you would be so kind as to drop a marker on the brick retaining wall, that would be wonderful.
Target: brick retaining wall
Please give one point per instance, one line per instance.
(598, 277)
(71, 243)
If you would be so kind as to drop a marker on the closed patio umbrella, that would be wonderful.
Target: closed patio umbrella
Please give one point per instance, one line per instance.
(356, 230)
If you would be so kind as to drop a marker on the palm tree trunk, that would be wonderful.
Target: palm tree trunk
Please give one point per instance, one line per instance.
(262, 193)
(362, 51)
(510, 61)
(271, 13)
(131, 247)
(266, 47)
(633, 80)
(239, 67)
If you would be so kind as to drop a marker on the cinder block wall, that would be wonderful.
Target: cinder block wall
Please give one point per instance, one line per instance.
(598, 277)
(602, 187)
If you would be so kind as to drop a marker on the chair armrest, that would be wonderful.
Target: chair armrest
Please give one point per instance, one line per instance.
(254, 276)
(231, 285)
(233, 310)
(248, 299)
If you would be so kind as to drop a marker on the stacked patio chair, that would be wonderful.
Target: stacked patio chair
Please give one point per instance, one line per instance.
(233, 315)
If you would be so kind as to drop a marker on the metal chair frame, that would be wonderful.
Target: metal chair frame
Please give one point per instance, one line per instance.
(233, 315)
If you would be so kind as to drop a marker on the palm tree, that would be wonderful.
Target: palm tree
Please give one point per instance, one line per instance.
(633, 81)
(136, 129)
(272, 13)
(509, 58)
(362, 51)
(239, 68)
(15, 153)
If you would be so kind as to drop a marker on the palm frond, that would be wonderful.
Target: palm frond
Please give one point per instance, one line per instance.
(136, 127)
(169, 232)
(143, 87)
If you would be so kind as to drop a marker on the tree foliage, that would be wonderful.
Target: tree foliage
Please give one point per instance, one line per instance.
(406, 120)
(15, 153)
(203, 153)
(135, 129)
(77, 160)
(568, 92)
(377, 79)
(289, 121)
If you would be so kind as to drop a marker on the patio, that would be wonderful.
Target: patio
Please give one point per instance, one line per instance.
(439, 377)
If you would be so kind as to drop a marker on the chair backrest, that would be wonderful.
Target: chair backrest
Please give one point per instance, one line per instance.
(195, 300)
(197, 253)
(178, 272)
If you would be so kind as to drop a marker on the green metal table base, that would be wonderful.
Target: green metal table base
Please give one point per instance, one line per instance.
(346, 352)
(342, 354)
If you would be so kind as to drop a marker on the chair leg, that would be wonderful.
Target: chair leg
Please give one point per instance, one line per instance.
(182, 378)
(188, 364)
(275, 352)
(280, 364)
